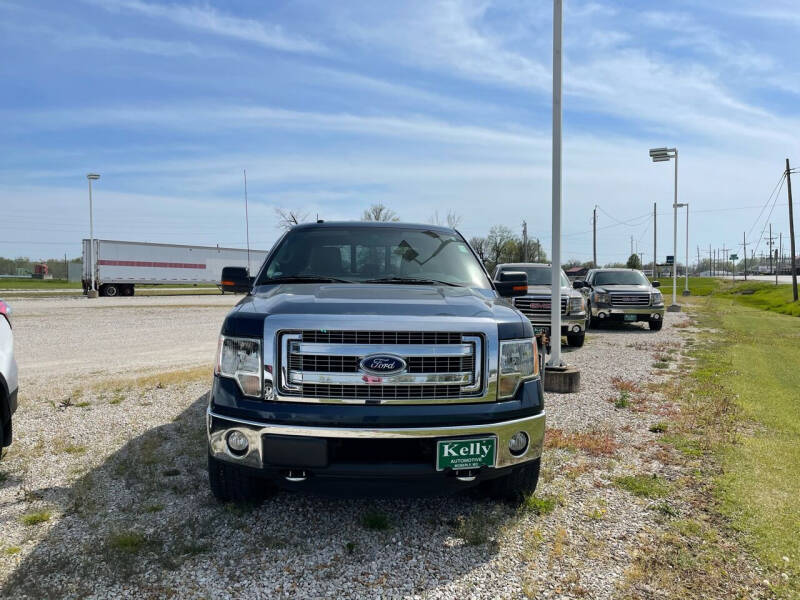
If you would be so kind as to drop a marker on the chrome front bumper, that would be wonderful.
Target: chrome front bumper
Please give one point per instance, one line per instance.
(568, 323)
(628, 310)
(220, 426)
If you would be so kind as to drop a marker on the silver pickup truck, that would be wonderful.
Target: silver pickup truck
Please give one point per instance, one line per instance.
(536, 303)
(623, 296)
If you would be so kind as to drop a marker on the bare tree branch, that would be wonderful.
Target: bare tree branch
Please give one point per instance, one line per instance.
(288, 218)
(379, 212)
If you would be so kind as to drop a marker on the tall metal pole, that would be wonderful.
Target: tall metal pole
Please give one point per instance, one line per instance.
(91, 236)
(744, 244)
(246, 220)
(791, 231)
(675, 238)
(524, 241)
(686, 266)
(594, 237)
(655, 242)
(770, 250)
(555, 297)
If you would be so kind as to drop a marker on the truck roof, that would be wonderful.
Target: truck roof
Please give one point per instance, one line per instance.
(373, 224)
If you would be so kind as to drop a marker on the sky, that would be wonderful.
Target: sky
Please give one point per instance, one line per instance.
(424, 106)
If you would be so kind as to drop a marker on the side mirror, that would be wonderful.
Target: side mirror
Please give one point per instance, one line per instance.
(510, 284)
(579, 284)
(656, 284)
(236, 280)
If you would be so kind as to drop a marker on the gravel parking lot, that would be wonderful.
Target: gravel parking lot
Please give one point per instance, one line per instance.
(104, 493)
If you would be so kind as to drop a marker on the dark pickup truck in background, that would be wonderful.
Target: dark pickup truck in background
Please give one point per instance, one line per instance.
(377, 353)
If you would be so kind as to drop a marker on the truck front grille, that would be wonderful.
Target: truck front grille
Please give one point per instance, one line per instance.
(381, 392)
(325, 366)
(537, 308)
(623, 299)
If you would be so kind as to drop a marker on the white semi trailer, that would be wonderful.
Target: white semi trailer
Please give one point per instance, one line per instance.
(118, 266)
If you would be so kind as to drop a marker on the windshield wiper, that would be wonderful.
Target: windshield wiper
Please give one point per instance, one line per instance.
(412, 281)
(305, 279)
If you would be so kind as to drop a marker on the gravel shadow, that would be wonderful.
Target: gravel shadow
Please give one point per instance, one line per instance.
(143, 522)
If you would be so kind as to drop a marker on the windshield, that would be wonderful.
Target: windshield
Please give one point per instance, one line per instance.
(620, 278)
(537, 275)
(361, 254)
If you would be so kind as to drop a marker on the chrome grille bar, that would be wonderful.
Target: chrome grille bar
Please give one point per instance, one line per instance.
(362, 350)
(630, 299)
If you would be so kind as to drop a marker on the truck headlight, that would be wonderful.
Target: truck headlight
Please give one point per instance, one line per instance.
(240, 359)
(576, 305)
(602, 298)
(658, 298)
(519, 361)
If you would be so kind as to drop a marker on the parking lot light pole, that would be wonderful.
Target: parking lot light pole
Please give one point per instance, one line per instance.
(686, 266)
(662, 155)
(92, 292)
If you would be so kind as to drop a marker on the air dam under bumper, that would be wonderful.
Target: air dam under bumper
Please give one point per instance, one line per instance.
(642, 313)
(255, 456)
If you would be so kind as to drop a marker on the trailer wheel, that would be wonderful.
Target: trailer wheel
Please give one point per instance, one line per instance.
(110, 290)
(127, 290)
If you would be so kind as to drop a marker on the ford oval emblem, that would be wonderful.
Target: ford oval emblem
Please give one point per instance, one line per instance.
(382, 364)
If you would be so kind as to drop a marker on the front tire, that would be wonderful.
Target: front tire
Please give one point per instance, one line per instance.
(516, 485)
(575, 340)
(655, 325)
(230, 483)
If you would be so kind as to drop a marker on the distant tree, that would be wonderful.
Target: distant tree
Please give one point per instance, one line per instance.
(502, 246)
(288, 218)
(379, 212)
(452, 219)
(615, 265)
(479, 245)
(634, 262)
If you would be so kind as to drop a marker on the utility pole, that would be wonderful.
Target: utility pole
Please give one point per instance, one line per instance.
(725, 251)
(710, 261)
(524, 241)
(698, 260)
(780, 255)
(791, 230)
(631, 244)
(744, 244)
(594, 236)
(538, 251)
(771, 239)
(655, 242)
(246, 221)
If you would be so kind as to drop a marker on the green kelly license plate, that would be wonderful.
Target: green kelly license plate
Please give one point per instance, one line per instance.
(466, 454)
(630, 317)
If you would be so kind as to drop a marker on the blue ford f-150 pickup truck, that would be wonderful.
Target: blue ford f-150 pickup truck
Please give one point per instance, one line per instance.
(377, 353)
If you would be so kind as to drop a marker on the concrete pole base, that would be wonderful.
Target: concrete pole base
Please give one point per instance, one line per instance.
(91, 294)
(562, 380)
(687, 293)
(674, 308)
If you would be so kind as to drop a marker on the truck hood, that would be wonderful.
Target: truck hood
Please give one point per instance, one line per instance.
(623, 288)
(536, 290)
(377, 299)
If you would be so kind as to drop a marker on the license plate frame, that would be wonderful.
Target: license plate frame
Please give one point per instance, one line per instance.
(462, 461)
(541, 330)
(629, 318)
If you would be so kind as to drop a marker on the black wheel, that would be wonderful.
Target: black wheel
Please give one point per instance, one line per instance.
(575, 340)
(655, 325)
(230, 483)
(516, 485)
(127, 290)
(109, 290)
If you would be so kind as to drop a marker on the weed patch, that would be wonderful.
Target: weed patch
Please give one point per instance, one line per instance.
(595, 443)
(34, 518)
(376, 520)
(645, 486)
(128, 542)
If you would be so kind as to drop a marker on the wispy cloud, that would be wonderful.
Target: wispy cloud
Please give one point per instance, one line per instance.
(206, 19)
(139, 44)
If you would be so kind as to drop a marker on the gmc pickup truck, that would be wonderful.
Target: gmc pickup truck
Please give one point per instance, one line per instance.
(622, 296)
(536, 303)
(380, 354)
